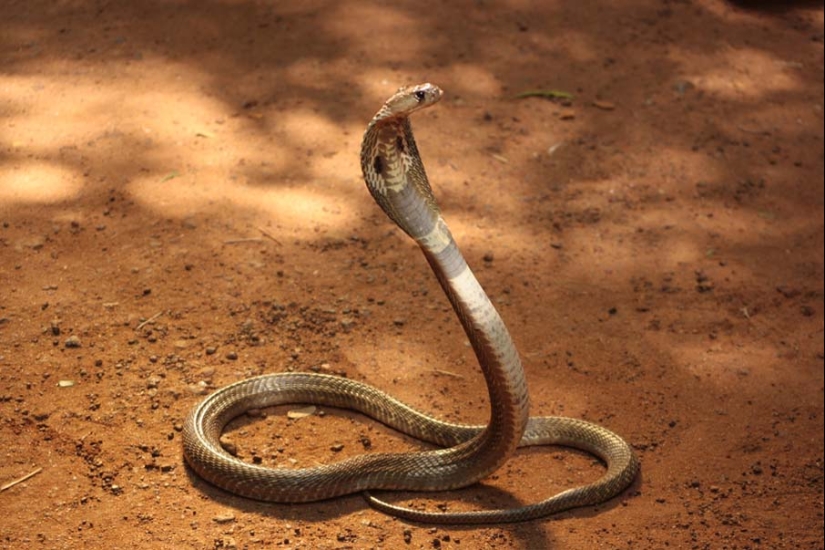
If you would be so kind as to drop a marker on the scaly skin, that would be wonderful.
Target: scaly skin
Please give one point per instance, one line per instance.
(396, 179)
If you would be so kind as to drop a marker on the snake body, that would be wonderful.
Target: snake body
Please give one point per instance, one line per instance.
(395, 177)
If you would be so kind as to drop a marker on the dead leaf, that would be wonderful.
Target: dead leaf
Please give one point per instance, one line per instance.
(170, 176)
(547, 94)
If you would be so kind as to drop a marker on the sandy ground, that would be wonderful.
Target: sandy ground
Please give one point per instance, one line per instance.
(181, 206)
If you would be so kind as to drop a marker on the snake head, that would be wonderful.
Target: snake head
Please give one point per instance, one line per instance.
(412, 98)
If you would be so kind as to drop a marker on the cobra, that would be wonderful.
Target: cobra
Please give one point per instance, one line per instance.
(395, 177)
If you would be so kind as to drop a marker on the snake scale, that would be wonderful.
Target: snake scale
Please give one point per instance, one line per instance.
(395, 176)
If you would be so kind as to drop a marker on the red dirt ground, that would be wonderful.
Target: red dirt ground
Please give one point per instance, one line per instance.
(181, 207)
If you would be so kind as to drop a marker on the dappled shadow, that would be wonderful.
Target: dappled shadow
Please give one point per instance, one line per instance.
(526, 534)
(292, 92)
(250, 57)
(302, 98)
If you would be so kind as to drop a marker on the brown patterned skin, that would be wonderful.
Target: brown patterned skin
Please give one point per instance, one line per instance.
(396, 179)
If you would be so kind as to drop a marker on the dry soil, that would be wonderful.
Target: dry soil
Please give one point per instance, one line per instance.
(181, 206)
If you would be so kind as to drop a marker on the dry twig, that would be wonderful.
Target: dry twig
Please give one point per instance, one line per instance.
(447, 373)
(11, 484)
(151, 319)
(269, 236)
(241, 241)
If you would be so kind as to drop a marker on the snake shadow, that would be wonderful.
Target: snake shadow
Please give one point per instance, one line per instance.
(528, 534)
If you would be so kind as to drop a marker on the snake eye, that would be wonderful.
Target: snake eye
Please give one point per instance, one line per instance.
(420, 95)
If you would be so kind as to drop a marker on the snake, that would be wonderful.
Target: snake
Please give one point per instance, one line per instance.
(463, 454)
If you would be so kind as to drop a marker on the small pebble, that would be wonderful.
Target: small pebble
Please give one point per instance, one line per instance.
(224, 518)
(604, 105)
(295, 414)
(201, 388)
(72, 342)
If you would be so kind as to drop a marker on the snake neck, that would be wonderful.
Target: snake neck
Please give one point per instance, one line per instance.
(492, 344)
(396, 179)
(395, 175)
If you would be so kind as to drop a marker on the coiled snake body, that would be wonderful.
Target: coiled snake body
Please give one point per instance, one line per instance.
(395, 177)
